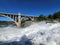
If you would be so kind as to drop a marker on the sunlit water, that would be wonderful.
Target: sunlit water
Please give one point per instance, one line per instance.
(40, 33)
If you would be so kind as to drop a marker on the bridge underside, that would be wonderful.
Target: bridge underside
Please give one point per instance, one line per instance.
(18, 18)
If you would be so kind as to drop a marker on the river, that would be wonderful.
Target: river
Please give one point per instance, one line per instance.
(40, 33)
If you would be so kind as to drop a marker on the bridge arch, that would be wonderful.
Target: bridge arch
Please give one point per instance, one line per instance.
(10, 18)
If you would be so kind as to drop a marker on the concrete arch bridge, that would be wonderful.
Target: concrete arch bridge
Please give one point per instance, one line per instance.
(17, 18)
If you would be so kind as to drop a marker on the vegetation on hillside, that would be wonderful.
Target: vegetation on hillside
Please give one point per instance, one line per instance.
(50, 17)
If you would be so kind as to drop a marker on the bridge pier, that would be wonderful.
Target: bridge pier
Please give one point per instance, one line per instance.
(19, 21)
(18, 25)
(32, 18)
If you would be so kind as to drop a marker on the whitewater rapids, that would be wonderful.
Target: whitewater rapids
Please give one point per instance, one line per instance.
(40, 33)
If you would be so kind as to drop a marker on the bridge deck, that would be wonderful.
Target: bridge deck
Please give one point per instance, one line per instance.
(17, 14)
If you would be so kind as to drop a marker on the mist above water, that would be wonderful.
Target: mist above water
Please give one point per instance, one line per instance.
(40, 33)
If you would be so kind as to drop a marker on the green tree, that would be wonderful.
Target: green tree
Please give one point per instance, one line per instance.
(56, 15)
(50, 16)
(41, 17)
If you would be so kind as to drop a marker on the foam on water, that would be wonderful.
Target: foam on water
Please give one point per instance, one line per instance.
(40, 33)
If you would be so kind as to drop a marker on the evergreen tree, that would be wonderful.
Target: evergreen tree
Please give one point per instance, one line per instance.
(50, 16)
(56, 15)
(41, 17)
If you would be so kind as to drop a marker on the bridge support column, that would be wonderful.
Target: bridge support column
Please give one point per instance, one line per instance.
(32, 18)
(19, 21)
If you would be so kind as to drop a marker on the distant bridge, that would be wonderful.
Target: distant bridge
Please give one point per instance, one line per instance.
(17, 18)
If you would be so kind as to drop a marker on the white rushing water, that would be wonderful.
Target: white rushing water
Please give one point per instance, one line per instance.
(40, 33)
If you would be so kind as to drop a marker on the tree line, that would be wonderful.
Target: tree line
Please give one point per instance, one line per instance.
(51, 17)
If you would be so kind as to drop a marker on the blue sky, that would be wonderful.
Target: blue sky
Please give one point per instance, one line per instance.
(29, 7)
